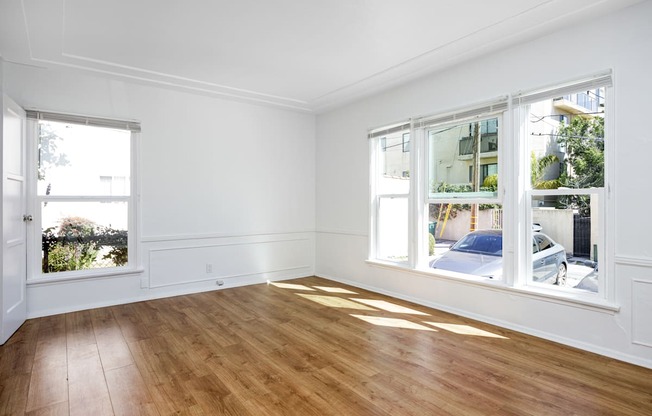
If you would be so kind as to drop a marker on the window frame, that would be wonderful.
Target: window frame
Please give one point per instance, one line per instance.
(483, 114)
(378, 150)
(35, 275)
(406, 142)
(521, 103)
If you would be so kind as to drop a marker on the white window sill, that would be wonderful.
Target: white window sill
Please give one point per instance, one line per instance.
(82, 275)
(563, 297)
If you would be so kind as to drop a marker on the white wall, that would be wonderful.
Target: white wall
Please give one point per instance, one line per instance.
(225, 183)
(558, 224)
(621, 42)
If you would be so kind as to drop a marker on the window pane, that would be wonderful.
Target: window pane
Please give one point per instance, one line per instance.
(569, 256)
(82, 160)
(83, 235)
(566, 139)
(406, 142)
(477, 253)
(463, 160)
(394, 165)
(392, 242)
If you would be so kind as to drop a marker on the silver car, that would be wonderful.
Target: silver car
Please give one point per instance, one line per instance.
(480, 253)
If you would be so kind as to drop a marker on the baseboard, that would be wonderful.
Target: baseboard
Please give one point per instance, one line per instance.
(260, 278)
(617, 355)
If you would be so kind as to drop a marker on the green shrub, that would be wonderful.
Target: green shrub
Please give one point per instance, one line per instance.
(73, 248)
(76, 243)
(431, 244)
(66, 257)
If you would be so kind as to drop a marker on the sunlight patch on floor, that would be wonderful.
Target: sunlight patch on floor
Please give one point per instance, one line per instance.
(465, 330)
(291, 286)
(335, 302)
(393, 322)
(335, 290)
(388, 306)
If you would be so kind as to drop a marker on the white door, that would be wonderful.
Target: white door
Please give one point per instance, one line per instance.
(14, 256)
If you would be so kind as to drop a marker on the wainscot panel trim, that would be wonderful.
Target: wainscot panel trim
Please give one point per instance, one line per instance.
(186, 237)
(633, 261)
(306, 268)
(641, 330)
(354, 233)
(243, 243)
(272, 249)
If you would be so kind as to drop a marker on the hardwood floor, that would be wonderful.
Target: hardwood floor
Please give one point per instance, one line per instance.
(303, 347)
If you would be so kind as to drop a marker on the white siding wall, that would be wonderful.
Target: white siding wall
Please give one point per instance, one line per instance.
(621, 42)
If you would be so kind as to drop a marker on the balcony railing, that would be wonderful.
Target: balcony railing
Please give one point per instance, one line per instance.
(488, 143)
(589, 100)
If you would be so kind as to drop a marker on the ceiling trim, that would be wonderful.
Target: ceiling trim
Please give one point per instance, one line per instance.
(42, 44)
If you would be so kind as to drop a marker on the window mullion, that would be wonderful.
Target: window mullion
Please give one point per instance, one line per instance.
(519, 231)
(418, 215)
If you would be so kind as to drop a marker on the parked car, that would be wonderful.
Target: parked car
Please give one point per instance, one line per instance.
(590, 281)
(480, 253)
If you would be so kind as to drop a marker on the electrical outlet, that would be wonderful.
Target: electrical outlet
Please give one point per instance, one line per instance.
(209, 268)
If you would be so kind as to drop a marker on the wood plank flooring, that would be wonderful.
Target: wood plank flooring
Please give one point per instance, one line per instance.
(303, 347)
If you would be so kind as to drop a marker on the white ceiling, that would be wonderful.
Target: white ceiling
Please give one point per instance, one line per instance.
(309, 55)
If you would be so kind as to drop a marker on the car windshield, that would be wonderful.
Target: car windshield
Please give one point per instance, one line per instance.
(490, 244)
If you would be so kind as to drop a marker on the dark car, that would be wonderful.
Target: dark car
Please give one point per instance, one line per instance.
(480, 253)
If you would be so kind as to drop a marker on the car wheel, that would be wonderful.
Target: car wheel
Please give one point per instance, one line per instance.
(561, 275)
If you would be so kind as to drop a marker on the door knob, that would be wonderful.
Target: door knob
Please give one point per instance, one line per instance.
(27, 218)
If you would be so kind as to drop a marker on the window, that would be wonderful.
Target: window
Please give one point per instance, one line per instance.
(391, 184)
(83, 195)
(529, 174)
(488, 137)
(406, 142)
(114, 185)
(543, 242)
(567, 178)
(485, 171)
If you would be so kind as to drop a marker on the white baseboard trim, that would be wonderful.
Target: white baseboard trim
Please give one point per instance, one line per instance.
(245, 280)
(503, 324)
